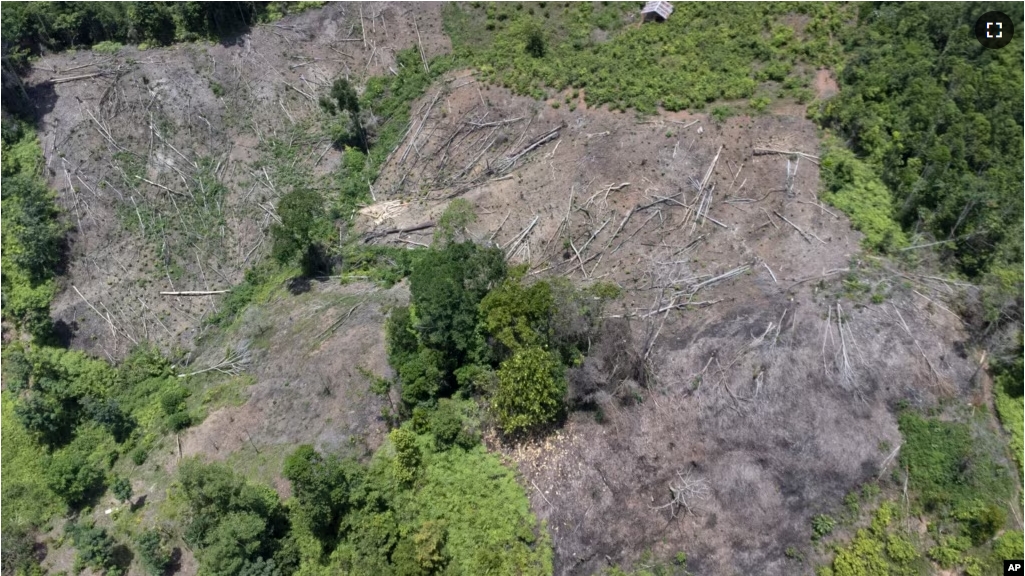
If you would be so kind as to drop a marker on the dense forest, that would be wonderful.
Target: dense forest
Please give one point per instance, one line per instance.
(922, 150)
(32, 28)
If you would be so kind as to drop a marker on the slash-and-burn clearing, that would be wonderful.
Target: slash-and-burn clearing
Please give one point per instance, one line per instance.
(756, 395)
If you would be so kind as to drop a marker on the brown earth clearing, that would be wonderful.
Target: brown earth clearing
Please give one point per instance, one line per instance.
(745, 359)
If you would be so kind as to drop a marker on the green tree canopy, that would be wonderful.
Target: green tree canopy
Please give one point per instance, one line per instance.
(447, 285)
(531, 389)
(302, 227)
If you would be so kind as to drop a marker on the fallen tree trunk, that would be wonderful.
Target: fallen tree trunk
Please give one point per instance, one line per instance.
(390, 231)
(194, 292)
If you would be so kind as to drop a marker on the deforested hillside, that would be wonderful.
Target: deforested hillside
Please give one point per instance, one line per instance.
(509, 288)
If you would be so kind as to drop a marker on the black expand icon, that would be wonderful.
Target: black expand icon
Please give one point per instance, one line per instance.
(994, 29)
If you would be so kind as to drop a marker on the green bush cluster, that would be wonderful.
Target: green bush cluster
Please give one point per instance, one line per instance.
(234, 526)
(958, 484)
(1009, 398)
(852, 186)
(699, 55)
(71, 417)
(94, 549)
(953, 472)
(473, 327)
(154, 553)
(33, 235)
(414, 509)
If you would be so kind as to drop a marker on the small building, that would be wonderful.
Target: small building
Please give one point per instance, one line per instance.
(657, 10)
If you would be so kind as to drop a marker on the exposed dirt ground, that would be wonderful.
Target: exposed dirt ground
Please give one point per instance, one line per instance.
(139, 145)
(768, 392)
(750, 395)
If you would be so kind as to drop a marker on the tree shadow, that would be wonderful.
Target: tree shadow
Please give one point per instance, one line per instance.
(64, 333)
(139, 503)
(122, 557)
(299, 285)
(175, 565)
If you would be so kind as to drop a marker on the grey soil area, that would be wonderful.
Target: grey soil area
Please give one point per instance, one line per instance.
(164, 159)
(732, 365)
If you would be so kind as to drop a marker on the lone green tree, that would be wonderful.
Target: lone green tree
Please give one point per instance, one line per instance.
(531, 388)
(122, 489)
(343, 98)
(298, 235)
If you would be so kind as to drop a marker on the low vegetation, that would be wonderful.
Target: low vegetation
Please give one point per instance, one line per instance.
(33, 235)
(700, 55)
(959, 483)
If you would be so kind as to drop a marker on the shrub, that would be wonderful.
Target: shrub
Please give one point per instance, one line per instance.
(447, 285)
(531, 388)
(179, 421)
(536, 46)
(822, 525)
(759, 104)
(421, 377)
(154, 553)
(519, 316)
(121, 487)
(71, 476)
(95, 548)
(303, 225)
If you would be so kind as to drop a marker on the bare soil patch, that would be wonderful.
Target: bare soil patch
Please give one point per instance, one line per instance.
(825, 84)
(309, 351)
(137, 144)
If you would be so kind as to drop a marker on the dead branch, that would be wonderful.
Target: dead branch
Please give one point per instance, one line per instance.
(114, 329)
(764, 151)
(478, 126)
(336, 324)
(234, 361)
(390, 231)
(806, 235)
(886, 461)
(80, 77)
(736, 271)
(520, 237)
(193, 292)
(620, 229)
(420, 45)
(686, 304)
(820, 207)
(686, 492)
(508, 162)
(687, 125)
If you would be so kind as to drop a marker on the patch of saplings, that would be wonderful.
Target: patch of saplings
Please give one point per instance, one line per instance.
(83, 413)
